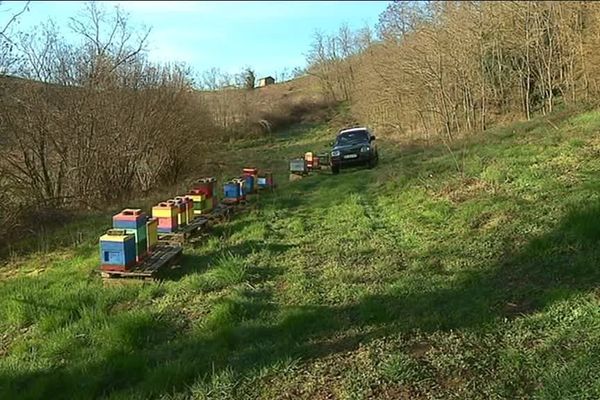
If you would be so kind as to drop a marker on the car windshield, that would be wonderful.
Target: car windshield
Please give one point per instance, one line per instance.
(352, 137)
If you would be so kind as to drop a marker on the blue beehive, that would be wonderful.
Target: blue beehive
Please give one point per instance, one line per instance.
(231, 190)
(249, 181)
(117, 249)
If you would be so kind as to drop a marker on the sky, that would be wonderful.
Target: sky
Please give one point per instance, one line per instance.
(266, 35)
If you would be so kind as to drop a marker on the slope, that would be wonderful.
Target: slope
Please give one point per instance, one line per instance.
(408, 281)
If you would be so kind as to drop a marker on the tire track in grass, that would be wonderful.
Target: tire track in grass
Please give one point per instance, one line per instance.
(385, 237)
(373, 213)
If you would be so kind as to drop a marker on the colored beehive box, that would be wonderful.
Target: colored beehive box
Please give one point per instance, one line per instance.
(261, 182)
(231, 191)
(242, 184)
(129, 219)
(316, 164)
(167, 225)
(164, 210)
(298, 166)
(308, 157)
(141, 242)
(265, 180)
(166, 214)
(141, 249)
(251, 175)
(208, 204)
(117, 249)
(134, 223)
(199, 200)
(181, 211)
(212, 203)
(249, 183)
(206, 186)
(152, 229)
(190, 208)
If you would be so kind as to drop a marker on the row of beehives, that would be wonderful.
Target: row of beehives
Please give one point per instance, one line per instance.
(309, 162)
(135, 234)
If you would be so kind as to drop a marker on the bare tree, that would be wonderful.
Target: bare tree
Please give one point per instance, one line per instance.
(7, 44)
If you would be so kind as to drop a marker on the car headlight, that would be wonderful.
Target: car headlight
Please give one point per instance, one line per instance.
(335, 153)
(364, 149)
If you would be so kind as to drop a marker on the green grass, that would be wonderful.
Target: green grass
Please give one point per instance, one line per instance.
(407, 281)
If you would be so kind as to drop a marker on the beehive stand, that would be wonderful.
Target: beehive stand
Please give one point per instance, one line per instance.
(222, 212)
(149, 269)
(184, 233)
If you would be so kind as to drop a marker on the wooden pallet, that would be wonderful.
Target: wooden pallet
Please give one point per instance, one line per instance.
(231, 202)
(185, 233)
(221, 213)
(150, 268)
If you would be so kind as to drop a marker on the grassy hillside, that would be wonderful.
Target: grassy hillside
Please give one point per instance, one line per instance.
(243, 113)
(407, 281)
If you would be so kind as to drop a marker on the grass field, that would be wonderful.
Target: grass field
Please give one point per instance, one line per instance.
(411, 281)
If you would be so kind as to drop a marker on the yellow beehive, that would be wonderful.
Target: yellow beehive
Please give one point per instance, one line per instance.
(111, 237)
(164, 210)
(152, 228)
(190, 208)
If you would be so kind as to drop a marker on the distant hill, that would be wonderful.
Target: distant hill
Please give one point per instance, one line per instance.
(270, 107)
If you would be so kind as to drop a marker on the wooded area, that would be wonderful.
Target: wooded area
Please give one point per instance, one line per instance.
(91, 123)
(440, 69)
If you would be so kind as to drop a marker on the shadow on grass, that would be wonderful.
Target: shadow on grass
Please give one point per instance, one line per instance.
(250, 330)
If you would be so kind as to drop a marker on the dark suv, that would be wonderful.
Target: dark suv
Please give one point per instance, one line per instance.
(352, 147)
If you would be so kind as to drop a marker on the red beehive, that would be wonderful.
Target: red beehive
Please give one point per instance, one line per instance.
(250, 171)
(316, 162)
(205, 188)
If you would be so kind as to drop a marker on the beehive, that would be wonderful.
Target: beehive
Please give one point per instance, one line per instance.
(117, 250)
(167, 217)
(316, 162)
(298, 166)
(190, 208)
(206, 186)
(261, 182)
(152, 228)
(265, 180)
(231, 191)
(181, 211)
(199, 200)
(134, 223)
(242, 185)
(251, 183)
(308, 157)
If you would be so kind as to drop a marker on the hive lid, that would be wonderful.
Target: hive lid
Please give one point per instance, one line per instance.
(132, 211)
(116, 235)
(116, 232)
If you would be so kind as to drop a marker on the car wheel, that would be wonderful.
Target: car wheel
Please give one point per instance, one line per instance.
(335, 169)
(371, 163)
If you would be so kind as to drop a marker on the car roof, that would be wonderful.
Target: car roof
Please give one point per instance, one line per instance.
(362, 128)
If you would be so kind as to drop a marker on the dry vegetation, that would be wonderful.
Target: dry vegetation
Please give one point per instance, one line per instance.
(92, 123)
(437, 70)
(241, 113)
